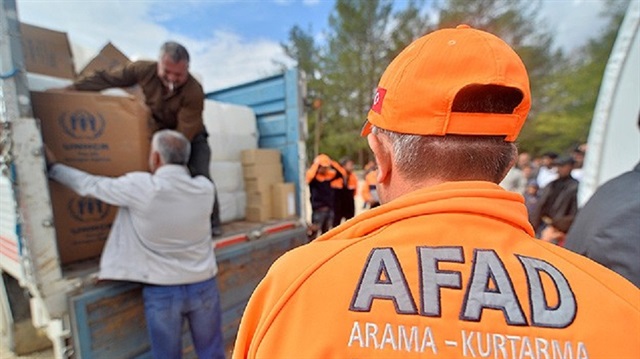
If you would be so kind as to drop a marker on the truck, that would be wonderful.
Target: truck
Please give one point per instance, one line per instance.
(47, 303)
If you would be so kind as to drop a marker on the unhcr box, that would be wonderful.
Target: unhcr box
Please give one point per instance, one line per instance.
(108, 58)
(46, 52)
(102, 135)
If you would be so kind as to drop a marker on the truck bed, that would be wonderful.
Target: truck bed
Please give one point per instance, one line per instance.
(244, 254)
(235, 232)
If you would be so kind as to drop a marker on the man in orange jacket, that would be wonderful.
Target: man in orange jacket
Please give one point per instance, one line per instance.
(319, 177)
(344, 190)
(369, 188)
(447, 266)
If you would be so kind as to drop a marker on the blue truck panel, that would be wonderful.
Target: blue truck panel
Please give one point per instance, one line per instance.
(277, 104)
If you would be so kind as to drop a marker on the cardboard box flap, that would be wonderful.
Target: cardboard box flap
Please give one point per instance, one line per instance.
(47, 52)
(108, 58)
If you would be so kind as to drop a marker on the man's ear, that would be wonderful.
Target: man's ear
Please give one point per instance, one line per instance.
(382, 152)
(514, 159)
(154, 161)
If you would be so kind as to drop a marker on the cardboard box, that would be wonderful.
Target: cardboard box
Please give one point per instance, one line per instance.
(272, 171)
(103, 135)
(260, 156)
(259, 199)
(47, 52)
(258, 214)
(283, 200)
(108, 58)
(260, 184)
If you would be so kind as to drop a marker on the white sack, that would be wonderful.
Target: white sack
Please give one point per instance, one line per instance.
(227, 176)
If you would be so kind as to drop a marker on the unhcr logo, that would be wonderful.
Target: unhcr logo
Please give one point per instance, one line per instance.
(86, 209)
(82, 124)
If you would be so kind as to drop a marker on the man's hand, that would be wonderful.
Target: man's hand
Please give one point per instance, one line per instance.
(61, 89)
(49, 157)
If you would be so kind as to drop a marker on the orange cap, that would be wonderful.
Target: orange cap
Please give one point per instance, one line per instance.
(323, 160)
(416, 91)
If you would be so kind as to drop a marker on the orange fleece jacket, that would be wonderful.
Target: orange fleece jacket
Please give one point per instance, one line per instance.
(449, 271)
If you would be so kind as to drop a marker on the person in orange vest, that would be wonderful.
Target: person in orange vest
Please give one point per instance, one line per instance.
(344, 193)
(369, 190)
(319, 176)
(447, 266)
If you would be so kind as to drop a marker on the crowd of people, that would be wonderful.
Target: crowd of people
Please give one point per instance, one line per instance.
(606, 229)
(549, 184)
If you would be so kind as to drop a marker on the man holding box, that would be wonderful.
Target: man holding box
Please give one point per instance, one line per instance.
(174, 97)
(161, 238)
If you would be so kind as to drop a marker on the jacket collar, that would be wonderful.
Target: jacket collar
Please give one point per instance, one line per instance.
(170, 169)
(474, 197)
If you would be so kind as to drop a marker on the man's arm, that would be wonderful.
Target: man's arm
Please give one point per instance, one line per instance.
(340, 171)
(121, 76)
(311, 172)
(120, 191)
(190, 114)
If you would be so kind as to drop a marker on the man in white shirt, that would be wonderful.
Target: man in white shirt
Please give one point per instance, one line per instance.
(161, 237)
(547, 172)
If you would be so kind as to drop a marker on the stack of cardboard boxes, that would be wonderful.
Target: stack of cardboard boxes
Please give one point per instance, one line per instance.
(268, 196)
(103, 135)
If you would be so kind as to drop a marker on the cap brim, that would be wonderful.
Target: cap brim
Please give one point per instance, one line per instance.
(366, 128)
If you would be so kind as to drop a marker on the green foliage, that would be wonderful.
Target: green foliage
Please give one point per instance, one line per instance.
(566, 118)
(365, 35)
(516, 23)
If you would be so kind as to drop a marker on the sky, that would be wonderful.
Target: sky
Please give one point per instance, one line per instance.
(233, 41)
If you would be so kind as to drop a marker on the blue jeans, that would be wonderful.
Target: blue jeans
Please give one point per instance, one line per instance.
(322, 219)
(166, 307)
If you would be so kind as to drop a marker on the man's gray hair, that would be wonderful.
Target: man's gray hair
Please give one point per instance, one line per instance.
(173, 147)
(175, 51)
(450, 157)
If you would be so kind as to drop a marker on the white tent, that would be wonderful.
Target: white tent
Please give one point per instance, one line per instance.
(614, 137)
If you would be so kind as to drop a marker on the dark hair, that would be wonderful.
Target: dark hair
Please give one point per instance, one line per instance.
(344, 160)
(175, 51)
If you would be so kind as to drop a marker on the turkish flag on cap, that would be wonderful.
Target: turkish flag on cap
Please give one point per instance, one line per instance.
(377, 100)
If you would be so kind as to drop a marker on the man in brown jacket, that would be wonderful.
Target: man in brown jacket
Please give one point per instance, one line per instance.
(174, 97)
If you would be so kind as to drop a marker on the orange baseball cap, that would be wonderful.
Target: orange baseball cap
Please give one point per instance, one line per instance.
(416, 91)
